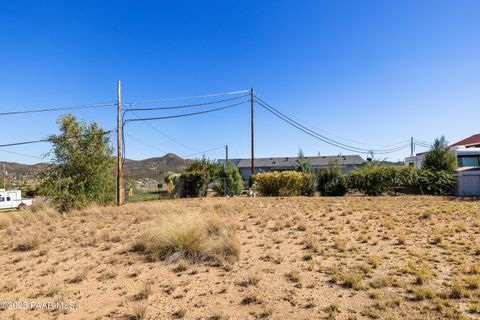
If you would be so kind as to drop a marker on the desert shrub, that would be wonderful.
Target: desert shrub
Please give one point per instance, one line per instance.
(425, 181)
(376, 180)
(331, 182)
(191, 185)
(303, 165)
(191, 236)
(285, 183)
(229, 181)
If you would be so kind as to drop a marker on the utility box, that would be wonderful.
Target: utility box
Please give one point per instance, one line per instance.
(468, 183)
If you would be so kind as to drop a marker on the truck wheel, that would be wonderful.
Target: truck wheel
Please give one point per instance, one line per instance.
(22, 207)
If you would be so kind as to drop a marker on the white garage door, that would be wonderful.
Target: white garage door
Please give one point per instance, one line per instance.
(469, 186)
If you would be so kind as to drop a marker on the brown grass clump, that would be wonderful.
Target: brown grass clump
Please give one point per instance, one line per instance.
(251, 298)
(294, 276)
(192, 237)
(28, 241)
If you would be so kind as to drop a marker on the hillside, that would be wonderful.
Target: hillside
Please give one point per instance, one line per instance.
(135, 169)
(14, 168)
(154, 167)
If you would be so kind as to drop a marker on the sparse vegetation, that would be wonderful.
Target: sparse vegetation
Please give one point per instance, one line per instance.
(192, 237)
(347, 263)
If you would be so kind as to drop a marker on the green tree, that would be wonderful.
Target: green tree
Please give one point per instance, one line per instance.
(82, 166)
(209, 167)
(229, 181)
(303, 165)
(440, 157)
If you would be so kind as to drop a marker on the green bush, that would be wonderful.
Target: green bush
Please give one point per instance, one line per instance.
(191, 185)
(375, 180)
(432, 182)
(331, 182)
(285, 183)
(229, 181)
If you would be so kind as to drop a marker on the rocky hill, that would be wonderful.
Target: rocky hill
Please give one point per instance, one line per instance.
(135, 169)
(154, 167)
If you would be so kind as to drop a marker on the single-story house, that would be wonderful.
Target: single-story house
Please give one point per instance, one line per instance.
(347, 163)
(468, 160)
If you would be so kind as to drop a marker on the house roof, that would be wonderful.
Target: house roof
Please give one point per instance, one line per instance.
(472, 140)
(289, 162)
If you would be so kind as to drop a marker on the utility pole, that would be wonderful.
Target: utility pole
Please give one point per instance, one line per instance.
(226, 154)
(412, 147)
(119, 147)
(252, 102)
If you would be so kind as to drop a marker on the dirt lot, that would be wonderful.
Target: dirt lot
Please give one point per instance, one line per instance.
(300, 258)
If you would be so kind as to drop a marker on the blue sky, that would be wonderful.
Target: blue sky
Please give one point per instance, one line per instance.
(373, 72)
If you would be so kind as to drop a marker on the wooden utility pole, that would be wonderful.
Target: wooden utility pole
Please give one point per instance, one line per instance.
(119, 147)
(252, 102)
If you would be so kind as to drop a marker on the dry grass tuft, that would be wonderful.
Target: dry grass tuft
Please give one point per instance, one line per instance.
(294, 276)
(251, 298)
(28, 241)
(192, 237)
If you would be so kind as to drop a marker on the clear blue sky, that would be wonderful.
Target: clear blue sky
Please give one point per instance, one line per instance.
(376, 72)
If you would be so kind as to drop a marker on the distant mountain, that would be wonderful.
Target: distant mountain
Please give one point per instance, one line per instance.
(154, 167)
(135, 169)
(14, 168)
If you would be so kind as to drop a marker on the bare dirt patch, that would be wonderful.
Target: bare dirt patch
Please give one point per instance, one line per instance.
(259, 258)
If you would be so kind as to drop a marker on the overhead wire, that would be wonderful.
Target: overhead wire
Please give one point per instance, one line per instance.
(332, 134)
(185, 114)
(185, 106)
(186, 98)
(21, 154)
(322, 137)
(77, 107)
(203, 152)
(143, 142)
(164, 135)
(48, 139)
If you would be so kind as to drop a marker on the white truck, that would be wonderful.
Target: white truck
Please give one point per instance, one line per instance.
(12, 199)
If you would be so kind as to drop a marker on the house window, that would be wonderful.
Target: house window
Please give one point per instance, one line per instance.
(2, 199)
(469, 161)
(8, 198)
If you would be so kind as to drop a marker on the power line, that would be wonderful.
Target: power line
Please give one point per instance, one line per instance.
(77, 107)
(21, 154)
(332, 134)
(186, 98)
(164, 135)
(185, 106)
(313, 134)
(49, 139)
(323, 138)
(186, 114)
(202, 152)
(145, 143)
(278, 113)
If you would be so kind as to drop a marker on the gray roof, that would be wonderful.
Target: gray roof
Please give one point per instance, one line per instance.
(290, 162)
